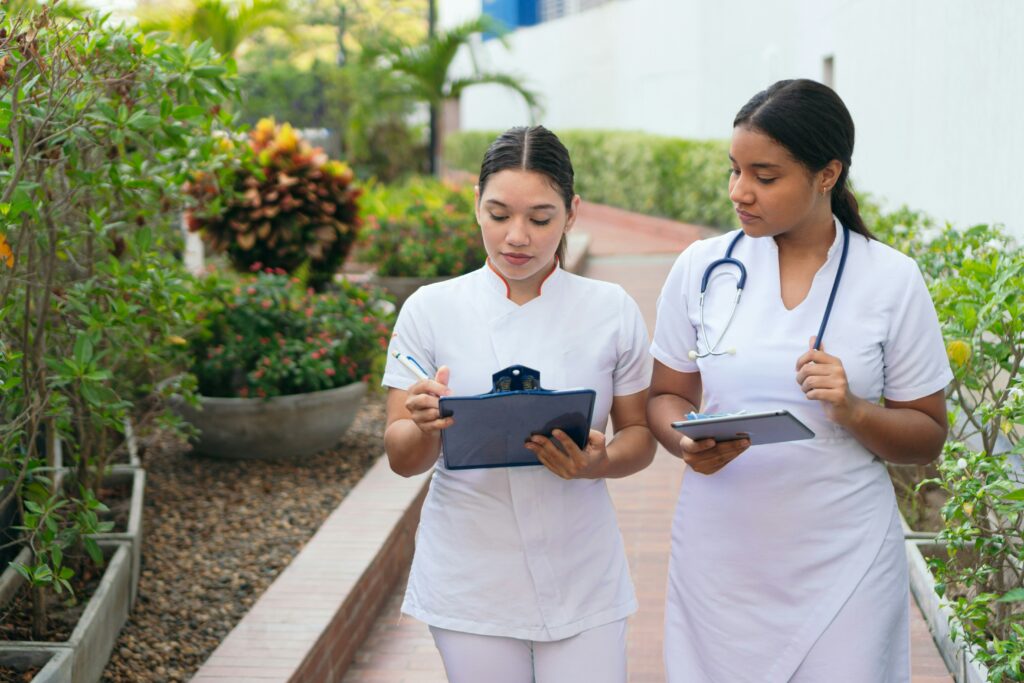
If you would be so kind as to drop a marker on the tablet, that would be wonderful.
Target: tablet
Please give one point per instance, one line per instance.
(770, 427)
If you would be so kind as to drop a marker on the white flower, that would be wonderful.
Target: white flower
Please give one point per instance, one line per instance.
(961, 464)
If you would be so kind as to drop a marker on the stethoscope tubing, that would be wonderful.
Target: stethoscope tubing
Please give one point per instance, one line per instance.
(712, 349)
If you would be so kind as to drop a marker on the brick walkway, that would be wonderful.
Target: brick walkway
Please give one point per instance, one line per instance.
(638, 256)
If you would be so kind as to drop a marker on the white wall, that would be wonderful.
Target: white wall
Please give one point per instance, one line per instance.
(935, 87)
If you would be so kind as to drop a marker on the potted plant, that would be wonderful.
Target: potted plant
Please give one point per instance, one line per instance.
(281, 204)
(419, 232)
(282, 369)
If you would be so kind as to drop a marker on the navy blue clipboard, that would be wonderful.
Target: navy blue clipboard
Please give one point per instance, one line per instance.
(490, 429)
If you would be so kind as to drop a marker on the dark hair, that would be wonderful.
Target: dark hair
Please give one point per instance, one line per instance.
(813, 124)
(532, 149)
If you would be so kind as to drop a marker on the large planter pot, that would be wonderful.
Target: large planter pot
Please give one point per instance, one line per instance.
(958, 659)
(403, 287)
(281, 427)
(92, 641)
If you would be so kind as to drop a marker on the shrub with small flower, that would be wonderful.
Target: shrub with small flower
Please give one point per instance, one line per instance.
(282, 204)
(424, 228)
(268, 335)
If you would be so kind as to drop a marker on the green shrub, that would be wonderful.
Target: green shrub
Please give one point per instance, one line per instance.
(421, 228)
(267, 335)
(685, 180)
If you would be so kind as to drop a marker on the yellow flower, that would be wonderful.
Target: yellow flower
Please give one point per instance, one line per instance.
(969, 509)
(287, 139)
(176, 340)
(6, 253)
(959, 352)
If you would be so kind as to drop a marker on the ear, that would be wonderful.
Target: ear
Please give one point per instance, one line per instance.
(574, 209)
(829, 176)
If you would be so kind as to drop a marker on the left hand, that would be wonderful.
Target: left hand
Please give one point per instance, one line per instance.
(566, 459)
(823, 378)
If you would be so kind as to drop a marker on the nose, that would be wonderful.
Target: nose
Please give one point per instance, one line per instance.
(517, 234)
(739, 190)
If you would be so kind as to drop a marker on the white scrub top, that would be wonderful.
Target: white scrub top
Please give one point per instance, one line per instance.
(766, 551)
(520, 552)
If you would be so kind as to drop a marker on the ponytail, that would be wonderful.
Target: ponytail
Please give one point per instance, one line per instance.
(844, 206)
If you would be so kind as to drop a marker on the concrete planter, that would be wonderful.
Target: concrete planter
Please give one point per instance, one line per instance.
(92, 641)
(132, 535)
(403, 287)
(55, 661)
(937, 614)
(281, 427)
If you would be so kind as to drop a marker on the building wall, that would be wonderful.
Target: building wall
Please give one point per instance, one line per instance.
(936, 87)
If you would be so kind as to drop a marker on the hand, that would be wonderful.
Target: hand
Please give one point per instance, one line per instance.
(422, 402)
(568, 461)
(707, 456)
(823, 378)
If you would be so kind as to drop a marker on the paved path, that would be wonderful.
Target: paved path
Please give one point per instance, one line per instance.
(636, 252)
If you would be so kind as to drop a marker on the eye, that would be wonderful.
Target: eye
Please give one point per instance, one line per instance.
(734, 171)
(537, 221)
(766, 181)
(498, 218)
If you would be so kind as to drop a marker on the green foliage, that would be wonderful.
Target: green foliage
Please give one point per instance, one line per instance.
(283, 204)
(685, 180)
(99, 126)
(423, 228)
(269, 336)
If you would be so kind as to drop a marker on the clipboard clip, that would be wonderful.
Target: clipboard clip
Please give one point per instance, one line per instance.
(515, 378)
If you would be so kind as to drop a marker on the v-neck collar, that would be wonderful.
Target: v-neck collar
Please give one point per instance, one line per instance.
(832, 255)
(497, 283)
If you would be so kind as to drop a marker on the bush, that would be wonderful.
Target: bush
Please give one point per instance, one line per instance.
(685, 180)
(269, 336)
(423, 228)
(285, 204)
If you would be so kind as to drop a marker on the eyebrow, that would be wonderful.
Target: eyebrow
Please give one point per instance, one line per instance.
(760, 164)
(535, 207)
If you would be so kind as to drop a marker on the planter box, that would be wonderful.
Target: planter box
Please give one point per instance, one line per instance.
(10, 579)
(54, 660)
(937, 614)
(281, 427)
(93, 639)
(132, 535)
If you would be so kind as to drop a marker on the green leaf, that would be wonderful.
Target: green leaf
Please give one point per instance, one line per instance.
(188, 111)
(1015, 495)
(94, 550)
(83, 349)
(58, 556)
(211, 71)
(1015, 595)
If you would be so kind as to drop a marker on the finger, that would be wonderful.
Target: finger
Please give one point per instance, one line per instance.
(569, 446)
(556, 464)
(442, 376)
(690, 446)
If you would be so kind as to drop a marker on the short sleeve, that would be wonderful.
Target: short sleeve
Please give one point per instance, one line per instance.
(633, 367)
(412, 335)
(914, 356)
(674, 336)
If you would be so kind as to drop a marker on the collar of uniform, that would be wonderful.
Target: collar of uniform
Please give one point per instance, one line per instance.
(499, 284)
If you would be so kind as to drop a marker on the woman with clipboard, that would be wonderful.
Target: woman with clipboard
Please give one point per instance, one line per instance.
(787, 561)
(520, 571)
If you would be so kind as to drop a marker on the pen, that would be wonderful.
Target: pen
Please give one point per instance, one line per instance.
(411, 365)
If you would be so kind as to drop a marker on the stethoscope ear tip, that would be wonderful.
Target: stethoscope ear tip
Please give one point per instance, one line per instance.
(692, 355)
(731, 352)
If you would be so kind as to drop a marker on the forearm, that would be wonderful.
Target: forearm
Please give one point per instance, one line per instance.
(410, 450)
(630, 450)
(662, 411)
(900, 435)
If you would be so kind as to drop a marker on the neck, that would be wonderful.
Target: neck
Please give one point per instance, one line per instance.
(814, 238)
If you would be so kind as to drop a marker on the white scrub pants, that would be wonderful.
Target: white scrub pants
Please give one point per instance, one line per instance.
(869, 640)
(597, 655)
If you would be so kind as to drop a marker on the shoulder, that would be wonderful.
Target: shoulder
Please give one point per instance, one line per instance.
(882, 263)
(440, 293)
(597, 292)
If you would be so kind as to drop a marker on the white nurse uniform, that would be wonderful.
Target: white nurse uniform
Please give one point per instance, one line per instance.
(772, 555)
(520, 552)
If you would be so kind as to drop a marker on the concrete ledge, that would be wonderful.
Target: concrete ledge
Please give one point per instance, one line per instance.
(309, 623)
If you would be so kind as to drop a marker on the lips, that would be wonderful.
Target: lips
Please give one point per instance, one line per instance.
(745, 217)
(516, 259)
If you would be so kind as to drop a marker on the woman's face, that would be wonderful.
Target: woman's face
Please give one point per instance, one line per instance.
(522, 217)
(772, 192)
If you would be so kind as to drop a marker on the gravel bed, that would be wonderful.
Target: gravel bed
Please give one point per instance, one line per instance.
(216, 534)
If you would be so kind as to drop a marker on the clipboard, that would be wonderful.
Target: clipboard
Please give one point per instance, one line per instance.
(490, 429)
(769, 427)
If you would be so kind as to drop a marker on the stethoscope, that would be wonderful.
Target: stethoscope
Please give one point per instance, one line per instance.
(712, 349)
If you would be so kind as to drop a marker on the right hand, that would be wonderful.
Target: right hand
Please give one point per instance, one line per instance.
(707, 456)
(422, 402)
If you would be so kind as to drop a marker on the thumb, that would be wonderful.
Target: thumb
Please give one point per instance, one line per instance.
(812, 342)
(442, 375)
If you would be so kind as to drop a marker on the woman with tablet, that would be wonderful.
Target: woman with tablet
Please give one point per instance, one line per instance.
(520, 571)
(787, 560)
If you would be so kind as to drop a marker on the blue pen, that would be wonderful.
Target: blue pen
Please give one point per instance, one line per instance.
(411, 365)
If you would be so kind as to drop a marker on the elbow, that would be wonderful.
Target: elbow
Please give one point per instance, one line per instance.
(400, 468)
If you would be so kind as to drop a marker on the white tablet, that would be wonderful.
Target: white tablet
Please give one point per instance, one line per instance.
(761, 428)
